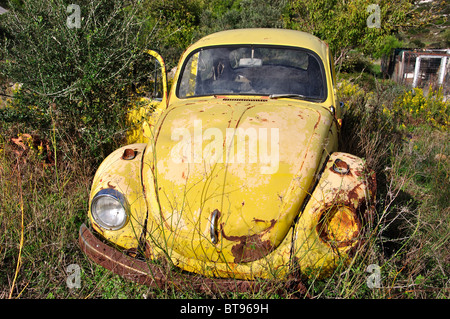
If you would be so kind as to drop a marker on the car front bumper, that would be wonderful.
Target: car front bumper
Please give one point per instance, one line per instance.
(162, 277)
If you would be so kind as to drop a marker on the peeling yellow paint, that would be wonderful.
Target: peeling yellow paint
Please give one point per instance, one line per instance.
(210, 158)
(124, 176)
(353, 192)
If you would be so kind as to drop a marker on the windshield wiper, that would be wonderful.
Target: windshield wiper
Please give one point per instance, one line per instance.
(291, 95)
(276, 96)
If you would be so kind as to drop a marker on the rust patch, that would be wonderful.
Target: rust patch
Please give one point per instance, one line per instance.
(250, 248)
(353, 194)
(129, 154)
(372, 181)
(257, 220)
(340, 167)
(111, 186)
(318, 121)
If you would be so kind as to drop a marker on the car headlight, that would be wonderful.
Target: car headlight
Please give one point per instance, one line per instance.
(109, 209)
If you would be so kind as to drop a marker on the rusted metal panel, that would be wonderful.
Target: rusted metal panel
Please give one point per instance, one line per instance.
(330, 227)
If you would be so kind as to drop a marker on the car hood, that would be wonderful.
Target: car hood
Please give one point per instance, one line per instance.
(229, 176)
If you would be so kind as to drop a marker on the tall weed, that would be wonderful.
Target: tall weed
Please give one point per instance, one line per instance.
(403, 135)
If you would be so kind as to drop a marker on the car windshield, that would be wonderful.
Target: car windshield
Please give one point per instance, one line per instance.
(253, 70)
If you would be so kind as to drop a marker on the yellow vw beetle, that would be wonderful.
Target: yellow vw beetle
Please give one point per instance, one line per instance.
(235, 174)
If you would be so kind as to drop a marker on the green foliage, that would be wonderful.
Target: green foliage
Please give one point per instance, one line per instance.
(74, 80)
(390, 42)
(343, 24)
(235, 14)
(355, 62)
(171, 25)
(446, 37)
(417, 107)
(176, 24)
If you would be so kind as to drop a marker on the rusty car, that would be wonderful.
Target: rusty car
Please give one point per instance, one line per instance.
(235, 173)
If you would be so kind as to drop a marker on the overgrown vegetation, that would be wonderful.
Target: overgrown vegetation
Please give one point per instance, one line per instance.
(74, 80)
(76, 86)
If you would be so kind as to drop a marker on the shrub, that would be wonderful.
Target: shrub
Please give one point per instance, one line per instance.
(355, 62)
(76, 82)
(173, 25)
(350, 93)
(416, 107)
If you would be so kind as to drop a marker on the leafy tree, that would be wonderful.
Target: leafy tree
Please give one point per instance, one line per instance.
(343, 24)
(234, 14)
(172, 25)
(262, 14)
(75, 80)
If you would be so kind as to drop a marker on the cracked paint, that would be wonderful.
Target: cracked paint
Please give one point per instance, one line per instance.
(272, 213)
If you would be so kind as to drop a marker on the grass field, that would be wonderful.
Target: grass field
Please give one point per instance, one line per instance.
(43, 203)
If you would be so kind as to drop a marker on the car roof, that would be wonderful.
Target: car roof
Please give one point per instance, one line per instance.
(264, 36)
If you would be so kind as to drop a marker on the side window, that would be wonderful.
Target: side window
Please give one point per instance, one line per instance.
(189, 77)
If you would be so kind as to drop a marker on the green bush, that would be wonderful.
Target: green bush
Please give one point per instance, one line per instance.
(176, 24)
(75, 82)
(172, 25)
(222, 15)
(355, 62)
(417, 107)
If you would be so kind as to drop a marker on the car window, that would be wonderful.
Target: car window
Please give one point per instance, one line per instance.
(252, 70)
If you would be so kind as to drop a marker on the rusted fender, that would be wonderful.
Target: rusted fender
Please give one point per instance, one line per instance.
(330, 228)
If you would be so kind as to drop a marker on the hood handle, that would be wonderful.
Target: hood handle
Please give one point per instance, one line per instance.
(213, 227)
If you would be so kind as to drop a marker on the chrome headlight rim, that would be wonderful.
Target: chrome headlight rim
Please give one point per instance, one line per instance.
(112, 194)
